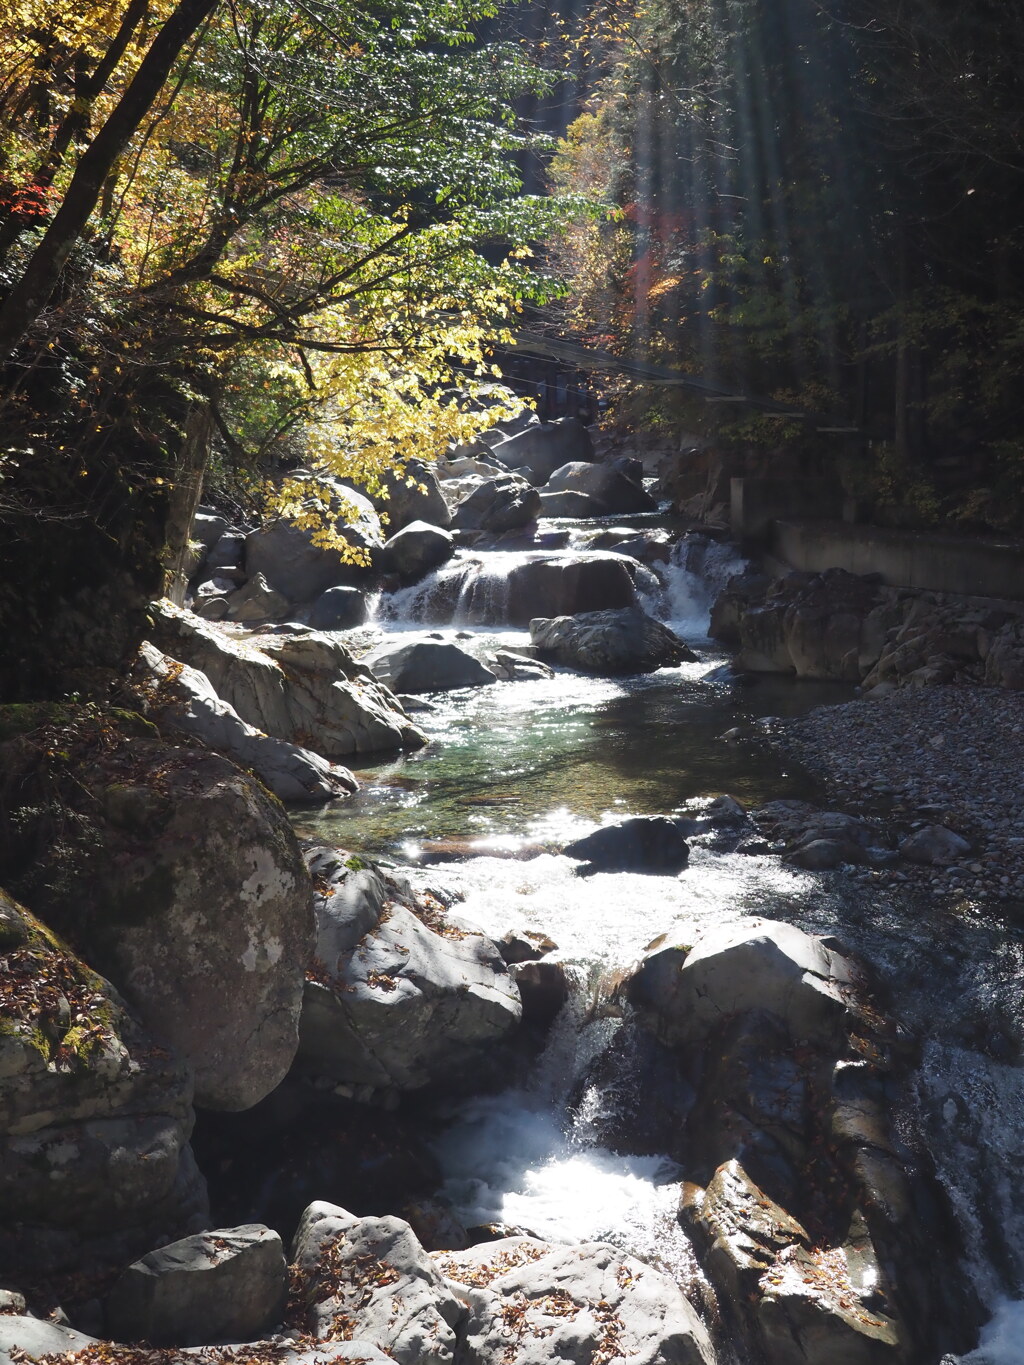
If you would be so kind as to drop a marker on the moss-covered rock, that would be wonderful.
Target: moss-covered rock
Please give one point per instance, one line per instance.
(94, 1115)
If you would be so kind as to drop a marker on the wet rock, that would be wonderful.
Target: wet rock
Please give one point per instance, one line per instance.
(612, 490)
(338, 609)
(568, 584)
(609, 642)
(290, 561)
(543, 988)
(299, 686)
(499, 504)
(570, 504)
(225, 1285)
(435, 1226)
(526, 947)
(934, 845)
(370, 1278)
(757, 964)
(646, 843)
(181, 699)
(531, 1303)
(820, 855)
(424, 665)
(94, 1115)
(417, 549)
(800, 1303)
(513, 667)
(399, 995)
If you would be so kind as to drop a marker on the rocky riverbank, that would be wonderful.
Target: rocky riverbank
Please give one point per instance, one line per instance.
(920, 758)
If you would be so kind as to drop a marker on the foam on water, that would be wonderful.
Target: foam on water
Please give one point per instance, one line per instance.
(1002, 1339)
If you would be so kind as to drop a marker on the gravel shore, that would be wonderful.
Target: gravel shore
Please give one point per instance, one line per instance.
(951, 755)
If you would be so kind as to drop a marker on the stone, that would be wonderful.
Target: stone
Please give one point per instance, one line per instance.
(303, 687)
(370, 1277)
(544, 447)
(95, 1115)
(226, 1285)
(207, 527)
(529, 946)
(227, 556)
(543, 988)
(531, 1303)
(191, 895)
(613, 490)
(423, 665)
(569, 504)
(645, 843)
(505, 503)
(416, 550)
(181, 699)
(400, 995)
(512, 667)
(609, 642)
(338, 608)
(25, 1339)
(934, 845)
(412, 494)
(287, 556)
(684, 995)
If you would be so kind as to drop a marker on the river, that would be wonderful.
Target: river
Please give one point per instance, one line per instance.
(518, 766)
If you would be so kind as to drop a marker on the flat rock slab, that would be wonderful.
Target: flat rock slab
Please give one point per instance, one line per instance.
(531, 1303)
(225, 1285)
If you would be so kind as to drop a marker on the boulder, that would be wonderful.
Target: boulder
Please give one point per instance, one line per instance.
(293, 564)
(207, 527)
(410, 494)
(95, 1116)
(531, 1303)
(422, 665)
(543, 447)
(338, 608)
(25, 1339)
(256, 602)
(609, 642)
(417, 549)
(569, 504)
(934, 845)
(611, 489)
(803, 1302)
(645, 843)
(189, 893)
(227, 556)
(370, 1278)
(301, 686)
(399, 995)
(684, 995)
(565, 584)
(504, 503)
(225, 1285)
(181, 699)
(543, 988)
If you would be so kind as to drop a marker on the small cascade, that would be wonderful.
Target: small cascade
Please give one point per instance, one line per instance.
(695, 573)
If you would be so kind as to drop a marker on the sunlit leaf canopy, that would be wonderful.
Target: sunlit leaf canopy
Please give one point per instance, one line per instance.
(317, 227)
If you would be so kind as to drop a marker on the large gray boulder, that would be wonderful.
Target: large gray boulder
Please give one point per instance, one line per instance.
(371, 1279)
(226, 1285)
(338, 608)
(416, 549)
(301, 686)
(567, 584)
(609, 642)
(400, 995)
(421, 665)
(531, 1303)
(95, 1116)
(543, 447)
(684, 995)
(287, 556)
(256, 602)
(505, 503)
(412, 494)
(609, 488)
(191, 895)
(181, 699)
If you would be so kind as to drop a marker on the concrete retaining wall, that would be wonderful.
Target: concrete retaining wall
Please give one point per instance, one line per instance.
(974, 568)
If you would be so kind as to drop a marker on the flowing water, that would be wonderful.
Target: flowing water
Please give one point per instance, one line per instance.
(518, 768)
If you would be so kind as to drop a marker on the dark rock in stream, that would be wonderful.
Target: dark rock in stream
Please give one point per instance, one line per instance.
(423, 665)
(609, 642)
(646, 843)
